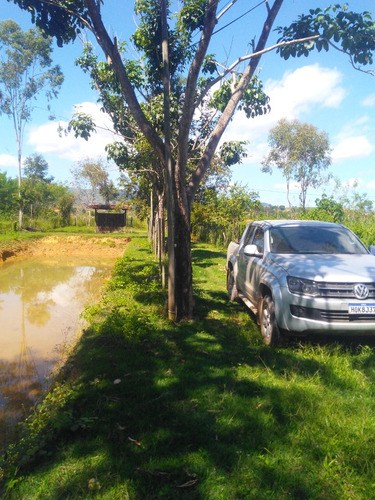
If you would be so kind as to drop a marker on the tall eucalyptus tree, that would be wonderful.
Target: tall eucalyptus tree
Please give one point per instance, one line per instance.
(26, 72)
(301, 153)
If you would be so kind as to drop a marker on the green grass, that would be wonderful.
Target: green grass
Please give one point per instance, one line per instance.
(147, 409)
(9, 238)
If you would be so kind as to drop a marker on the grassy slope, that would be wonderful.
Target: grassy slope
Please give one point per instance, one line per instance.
(201, 410)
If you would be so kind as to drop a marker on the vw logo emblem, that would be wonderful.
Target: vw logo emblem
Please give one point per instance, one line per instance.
(361, 291)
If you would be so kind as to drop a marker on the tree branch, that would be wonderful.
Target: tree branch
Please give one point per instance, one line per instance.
(85, 22)
(113, 55)
(250, 56)
(190, 89)
(370, 72)
(225, 10)
(229, 110)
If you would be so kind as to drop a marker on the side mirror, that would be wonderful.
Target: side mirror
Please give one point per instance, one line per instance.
(372, 249)
(252, 251)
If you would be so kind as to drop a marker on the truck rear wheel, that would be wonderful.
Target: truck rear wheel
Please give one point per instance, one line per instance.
(268, 324)
(231, 285)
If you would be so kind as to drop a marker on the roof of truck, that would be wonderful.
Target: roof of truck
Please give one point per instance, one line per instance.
(288, 222)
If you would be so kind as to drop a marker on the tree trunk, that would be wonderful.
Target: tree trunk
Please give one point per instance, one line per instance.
(288, 196)
(161, 239)
(150, 228)
(20, 213)
(178, 194)
(183, 265)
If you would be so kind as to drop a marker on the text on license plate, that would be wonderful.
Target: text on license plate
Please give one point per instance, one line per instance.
(361, 308)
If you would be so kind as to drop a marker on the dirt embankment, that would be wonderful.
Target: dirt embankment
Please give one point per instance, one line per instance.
(72, 246)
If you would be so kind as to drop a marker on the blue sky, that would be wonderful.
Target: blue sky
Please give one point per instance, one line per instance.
(323, 90)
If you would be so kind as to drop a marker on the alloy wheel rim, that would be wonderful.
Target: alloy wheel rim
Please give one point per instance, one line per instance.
(266, 322)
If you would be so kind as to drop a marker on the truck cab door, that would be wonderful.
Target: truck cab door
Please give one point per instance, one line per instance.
(241, 260)
(250, 265)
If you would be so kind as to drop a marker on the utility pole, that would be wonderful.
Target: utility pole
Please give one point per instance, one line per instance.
(172, 313)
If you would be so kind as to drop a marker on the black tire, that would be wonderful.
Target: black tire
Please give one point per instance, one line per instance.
(231, 285)
(268, 324)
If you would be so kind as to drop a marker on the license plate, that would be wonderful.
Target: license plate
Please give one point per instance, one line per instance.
(361, 308)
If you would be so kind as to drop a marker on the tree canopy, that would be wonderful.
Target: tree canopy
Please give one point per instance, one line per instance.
(36, 168)
(301, 152)
(327, 209)
(8, 194)
(40, 196)
(91, 180)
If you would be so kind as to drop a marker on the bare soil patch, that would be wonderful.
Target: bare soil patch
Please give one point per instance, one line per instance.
(72, 246)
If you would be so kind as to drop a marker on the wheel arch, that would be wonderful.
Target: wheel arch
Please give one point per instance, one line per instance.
(231, 264)
(272, 289)
(264, 290)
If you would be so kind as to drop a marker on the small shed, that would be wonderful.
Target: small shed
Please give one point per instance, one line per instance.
(108, 218)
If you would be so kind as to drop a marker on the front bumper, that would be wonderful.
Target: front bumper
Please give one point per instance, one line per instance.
(302, 314)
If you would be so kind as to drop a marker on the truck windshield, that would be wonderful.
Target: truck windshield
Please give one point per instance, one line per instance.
(308, 239)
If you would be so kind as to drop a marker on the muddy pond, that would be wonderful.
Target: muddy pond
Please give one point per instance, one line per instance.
(41, 301)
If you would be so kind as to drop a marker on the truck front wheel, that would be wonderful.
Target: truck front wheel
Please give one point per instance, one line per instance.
(268, 324)
(231, 285)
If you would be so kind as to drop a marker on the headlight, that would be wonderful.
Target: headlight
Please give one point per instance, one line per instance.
(302, 286)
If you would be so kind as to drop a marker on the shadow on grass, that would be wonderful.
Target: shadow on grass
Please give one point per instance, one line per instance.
(203, 257)
(196, 410)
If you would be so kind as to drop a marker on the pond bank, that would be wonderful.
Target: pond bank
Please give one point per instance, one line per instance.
(60, 245)
(45, 284)
(41, 299)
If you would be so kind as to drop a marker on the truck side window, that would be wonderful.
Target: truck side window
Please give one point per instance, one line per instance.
(249, 235)
(259, 239)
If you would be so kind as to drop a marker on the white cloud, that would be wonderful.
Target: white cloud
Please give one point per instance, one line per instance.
(369, 101)
(355, 127)
(8, 161)
(304, 88)
(297, 93)
(45, 138)
(256, 152)
(352, 147)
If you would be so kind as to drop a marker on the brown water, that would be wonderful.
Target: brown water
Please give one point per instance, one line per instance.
(40, 306)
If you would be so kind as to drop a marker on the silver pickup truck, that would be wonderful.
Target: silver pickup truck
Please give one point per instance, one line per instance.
(303, 277)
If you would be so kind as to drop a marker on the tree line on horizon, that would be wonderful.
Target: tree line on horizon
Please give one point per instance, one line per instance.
(220, 212)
